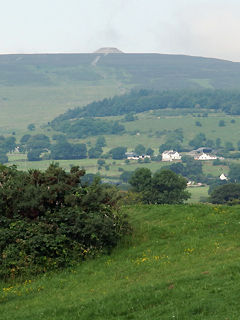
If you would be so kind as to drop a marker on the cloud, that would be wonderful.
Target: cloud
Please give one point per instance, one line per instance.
(208, 30)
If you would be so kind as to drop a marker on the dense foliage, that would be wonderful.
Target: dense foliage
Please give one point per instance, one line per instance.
(145, 100)
(226, 194)
(50, 220)
(83, 128)
(163, 187)
(64, 150)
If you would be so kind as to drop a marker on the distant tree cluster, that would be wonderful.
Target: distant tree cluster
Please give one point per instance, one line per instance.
(191, 169)
(78, 129)
(163, 187)
(39, 145)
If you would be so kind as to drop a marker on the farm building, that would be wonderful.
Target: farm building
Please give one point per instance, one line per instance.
(205, 156)
(170, 155)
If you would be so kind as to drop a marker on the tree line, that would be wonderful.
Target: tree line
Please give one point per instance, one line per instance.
(227, 101)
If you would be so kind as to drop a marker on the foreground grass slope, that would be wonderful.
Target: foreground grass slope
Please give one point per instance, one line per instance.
(182, 262)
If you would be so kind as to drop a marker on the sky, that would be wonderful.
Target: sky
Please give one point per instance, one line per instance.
(190, 27)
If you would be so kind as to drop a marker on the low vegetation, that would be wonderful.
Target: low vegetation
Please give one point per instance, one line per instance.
(181, 262)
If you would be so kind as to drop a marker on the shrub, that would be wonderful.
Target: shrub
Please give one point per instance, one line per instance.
(49, 220)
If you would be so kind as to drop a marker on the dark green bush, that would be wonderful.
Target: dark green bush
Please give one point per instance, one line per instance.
(49, 220)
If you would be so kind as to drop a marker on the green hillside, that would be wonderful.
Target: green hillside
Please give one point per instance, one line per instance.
(37, 88)
(182, 262)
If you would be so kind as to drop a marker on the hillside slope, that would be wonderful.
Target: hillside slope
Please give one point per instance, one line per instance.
(155, 71)
(182, 262)
(36, 88)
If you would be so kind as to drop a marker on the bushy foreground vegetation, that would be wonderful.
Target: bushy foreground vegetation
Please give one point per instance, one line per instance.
(181, 262)
(50, 220)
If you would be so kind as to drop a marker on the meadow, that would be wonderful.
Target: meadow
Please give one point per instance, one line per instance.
(142, 131)
(181, 262)
(22, 105)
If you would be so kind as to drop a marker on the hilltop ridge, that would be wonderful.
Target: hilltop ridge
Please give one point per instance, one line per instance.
(107, 50)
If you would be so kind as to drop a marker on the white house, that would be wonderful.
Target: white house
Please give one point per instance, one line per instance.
(170, 155)
(223, 177)
(205, 156)
(135, 156)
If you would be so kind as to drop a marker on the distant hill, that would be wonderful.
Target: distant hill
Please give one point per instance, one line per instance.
(36, 88)
(150, 71)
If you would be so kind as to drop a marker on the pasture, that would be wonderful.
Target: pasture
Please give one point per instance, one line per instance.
(181, 262)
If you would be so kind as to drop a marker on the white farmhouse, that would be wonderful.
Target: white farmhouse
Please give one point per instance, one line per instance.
(205, 156)
(223, 177)
(170, 155)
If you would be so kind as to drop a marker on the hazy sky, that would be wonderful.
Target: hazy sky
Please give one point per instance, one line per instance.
(208, 28)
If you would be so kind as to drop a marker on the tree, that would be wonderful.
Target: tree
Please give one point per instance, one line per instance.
(59, 137)
(221, 123)
(198, 123)
(168, 188)
(101, 162)
(129, 117)
(126, 175)
(226, 194)
(118, 153)
(187, 159)
(234, 173)
(170, 145)
(61, 150)
(140, 149)
(101, 142)
(164, 187)
(229, 146)
(8, 144)
(3, 156)
(218, 143)
(149, 151)
(198, 141)
(117, 128)
(209, 144)
(146, 160)
(34, 155)
(94, 153)
(178, 168)
(31, 127)
(141, 179)
(193, 168)
(25, 138)
(38, 141)
(79, 151)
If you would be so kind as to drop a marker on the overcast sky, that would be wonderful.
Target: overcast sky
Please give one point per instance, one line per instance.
(208, 28)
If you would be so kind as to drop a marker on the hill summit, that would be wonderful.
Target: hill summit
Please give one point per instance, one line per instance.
(108, 50)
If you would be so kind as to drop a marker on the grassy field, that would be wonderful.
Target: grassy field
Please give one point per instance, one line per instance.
(197, 193)
(23, 105)
(182, 262)
(149, 124)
